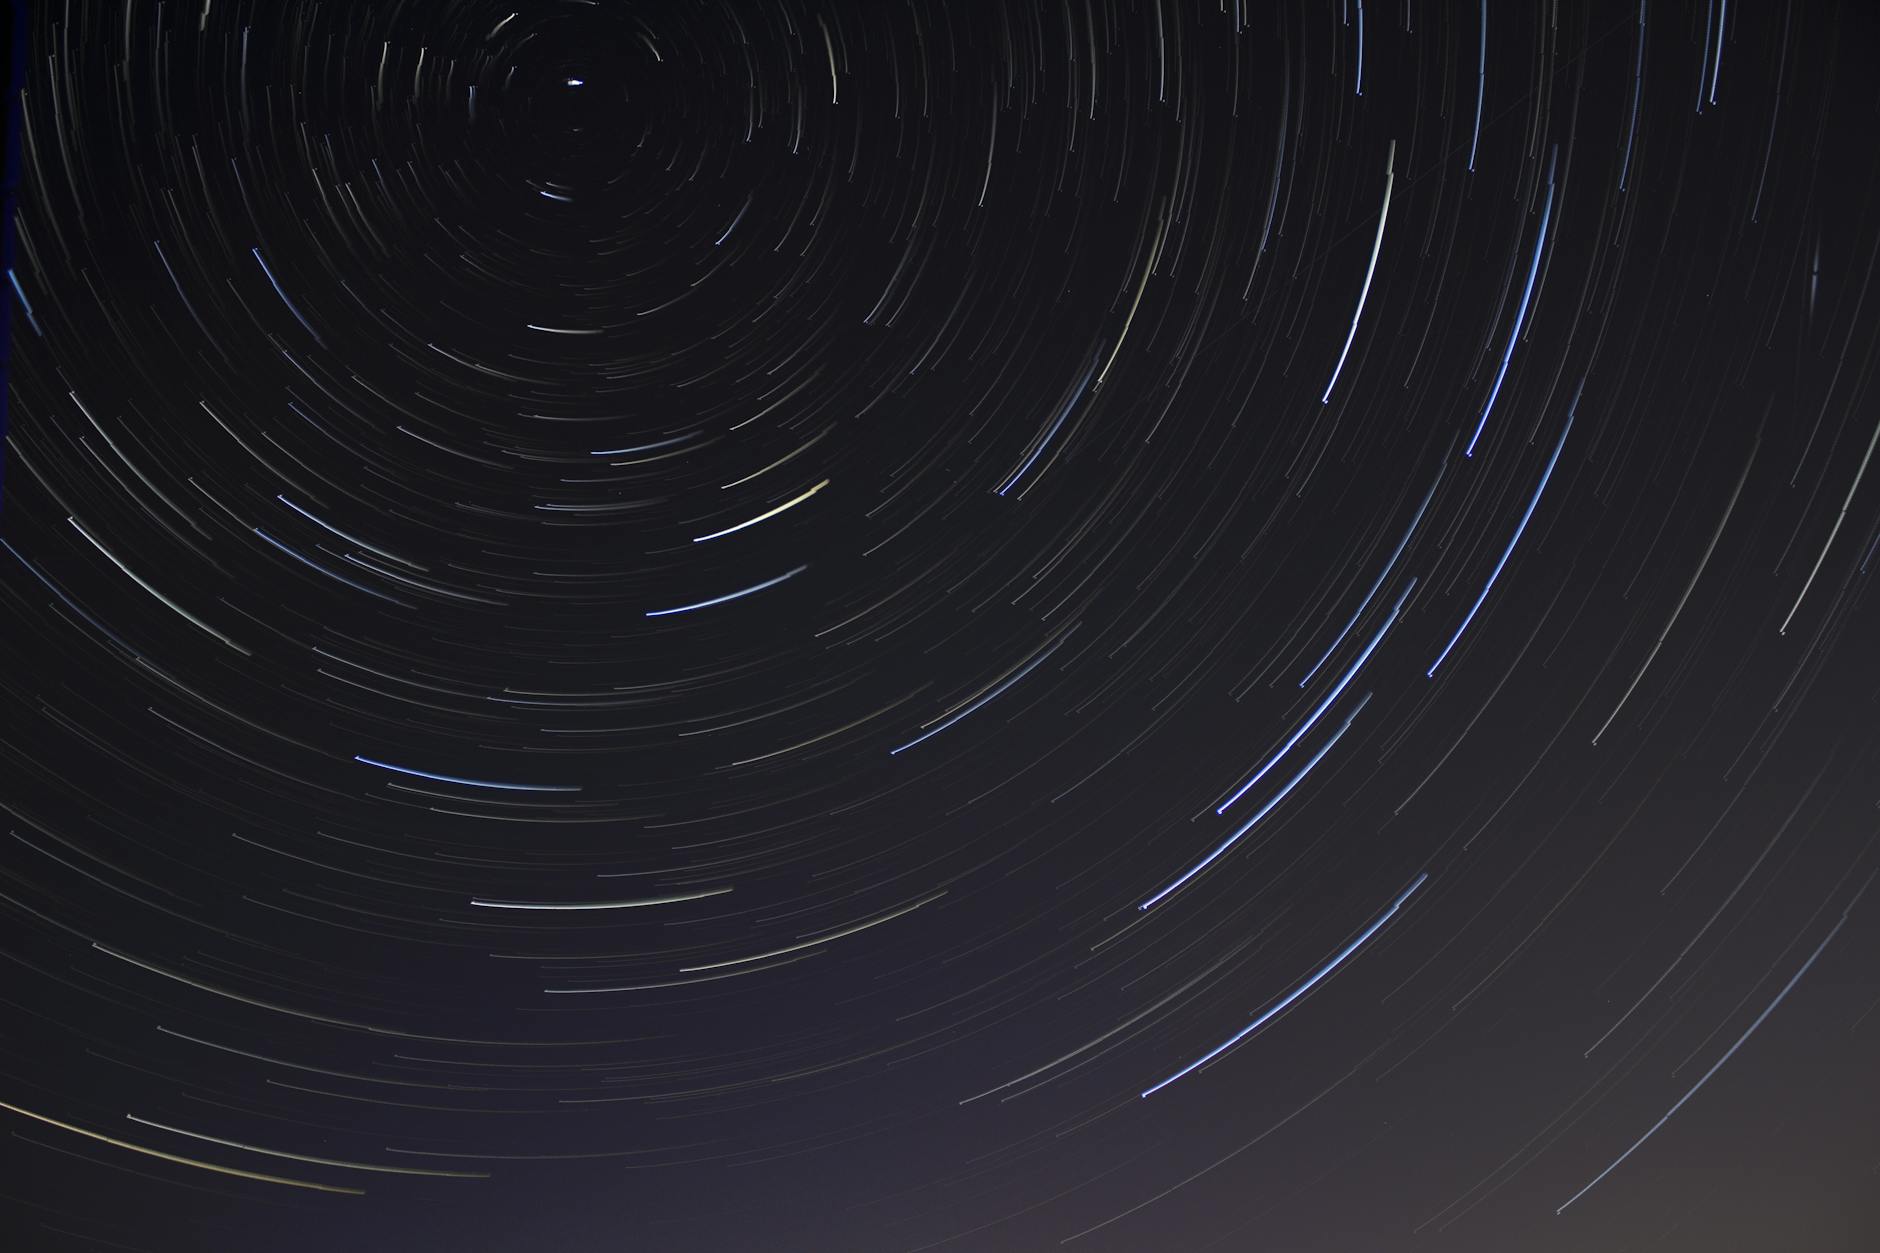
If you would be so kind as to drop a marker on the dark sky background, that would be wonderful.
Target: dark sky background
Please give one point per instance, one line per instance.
(841, 625)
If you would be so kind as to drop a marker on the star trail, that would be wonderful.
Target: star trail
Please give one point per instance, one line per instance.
(890, 625)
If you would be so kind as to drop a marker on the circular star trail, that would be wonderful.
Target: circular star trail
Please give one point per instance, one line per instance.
(812, 625)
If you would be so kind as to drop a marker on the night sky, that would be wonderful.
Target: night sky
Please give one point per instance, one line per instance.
(884, 625)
